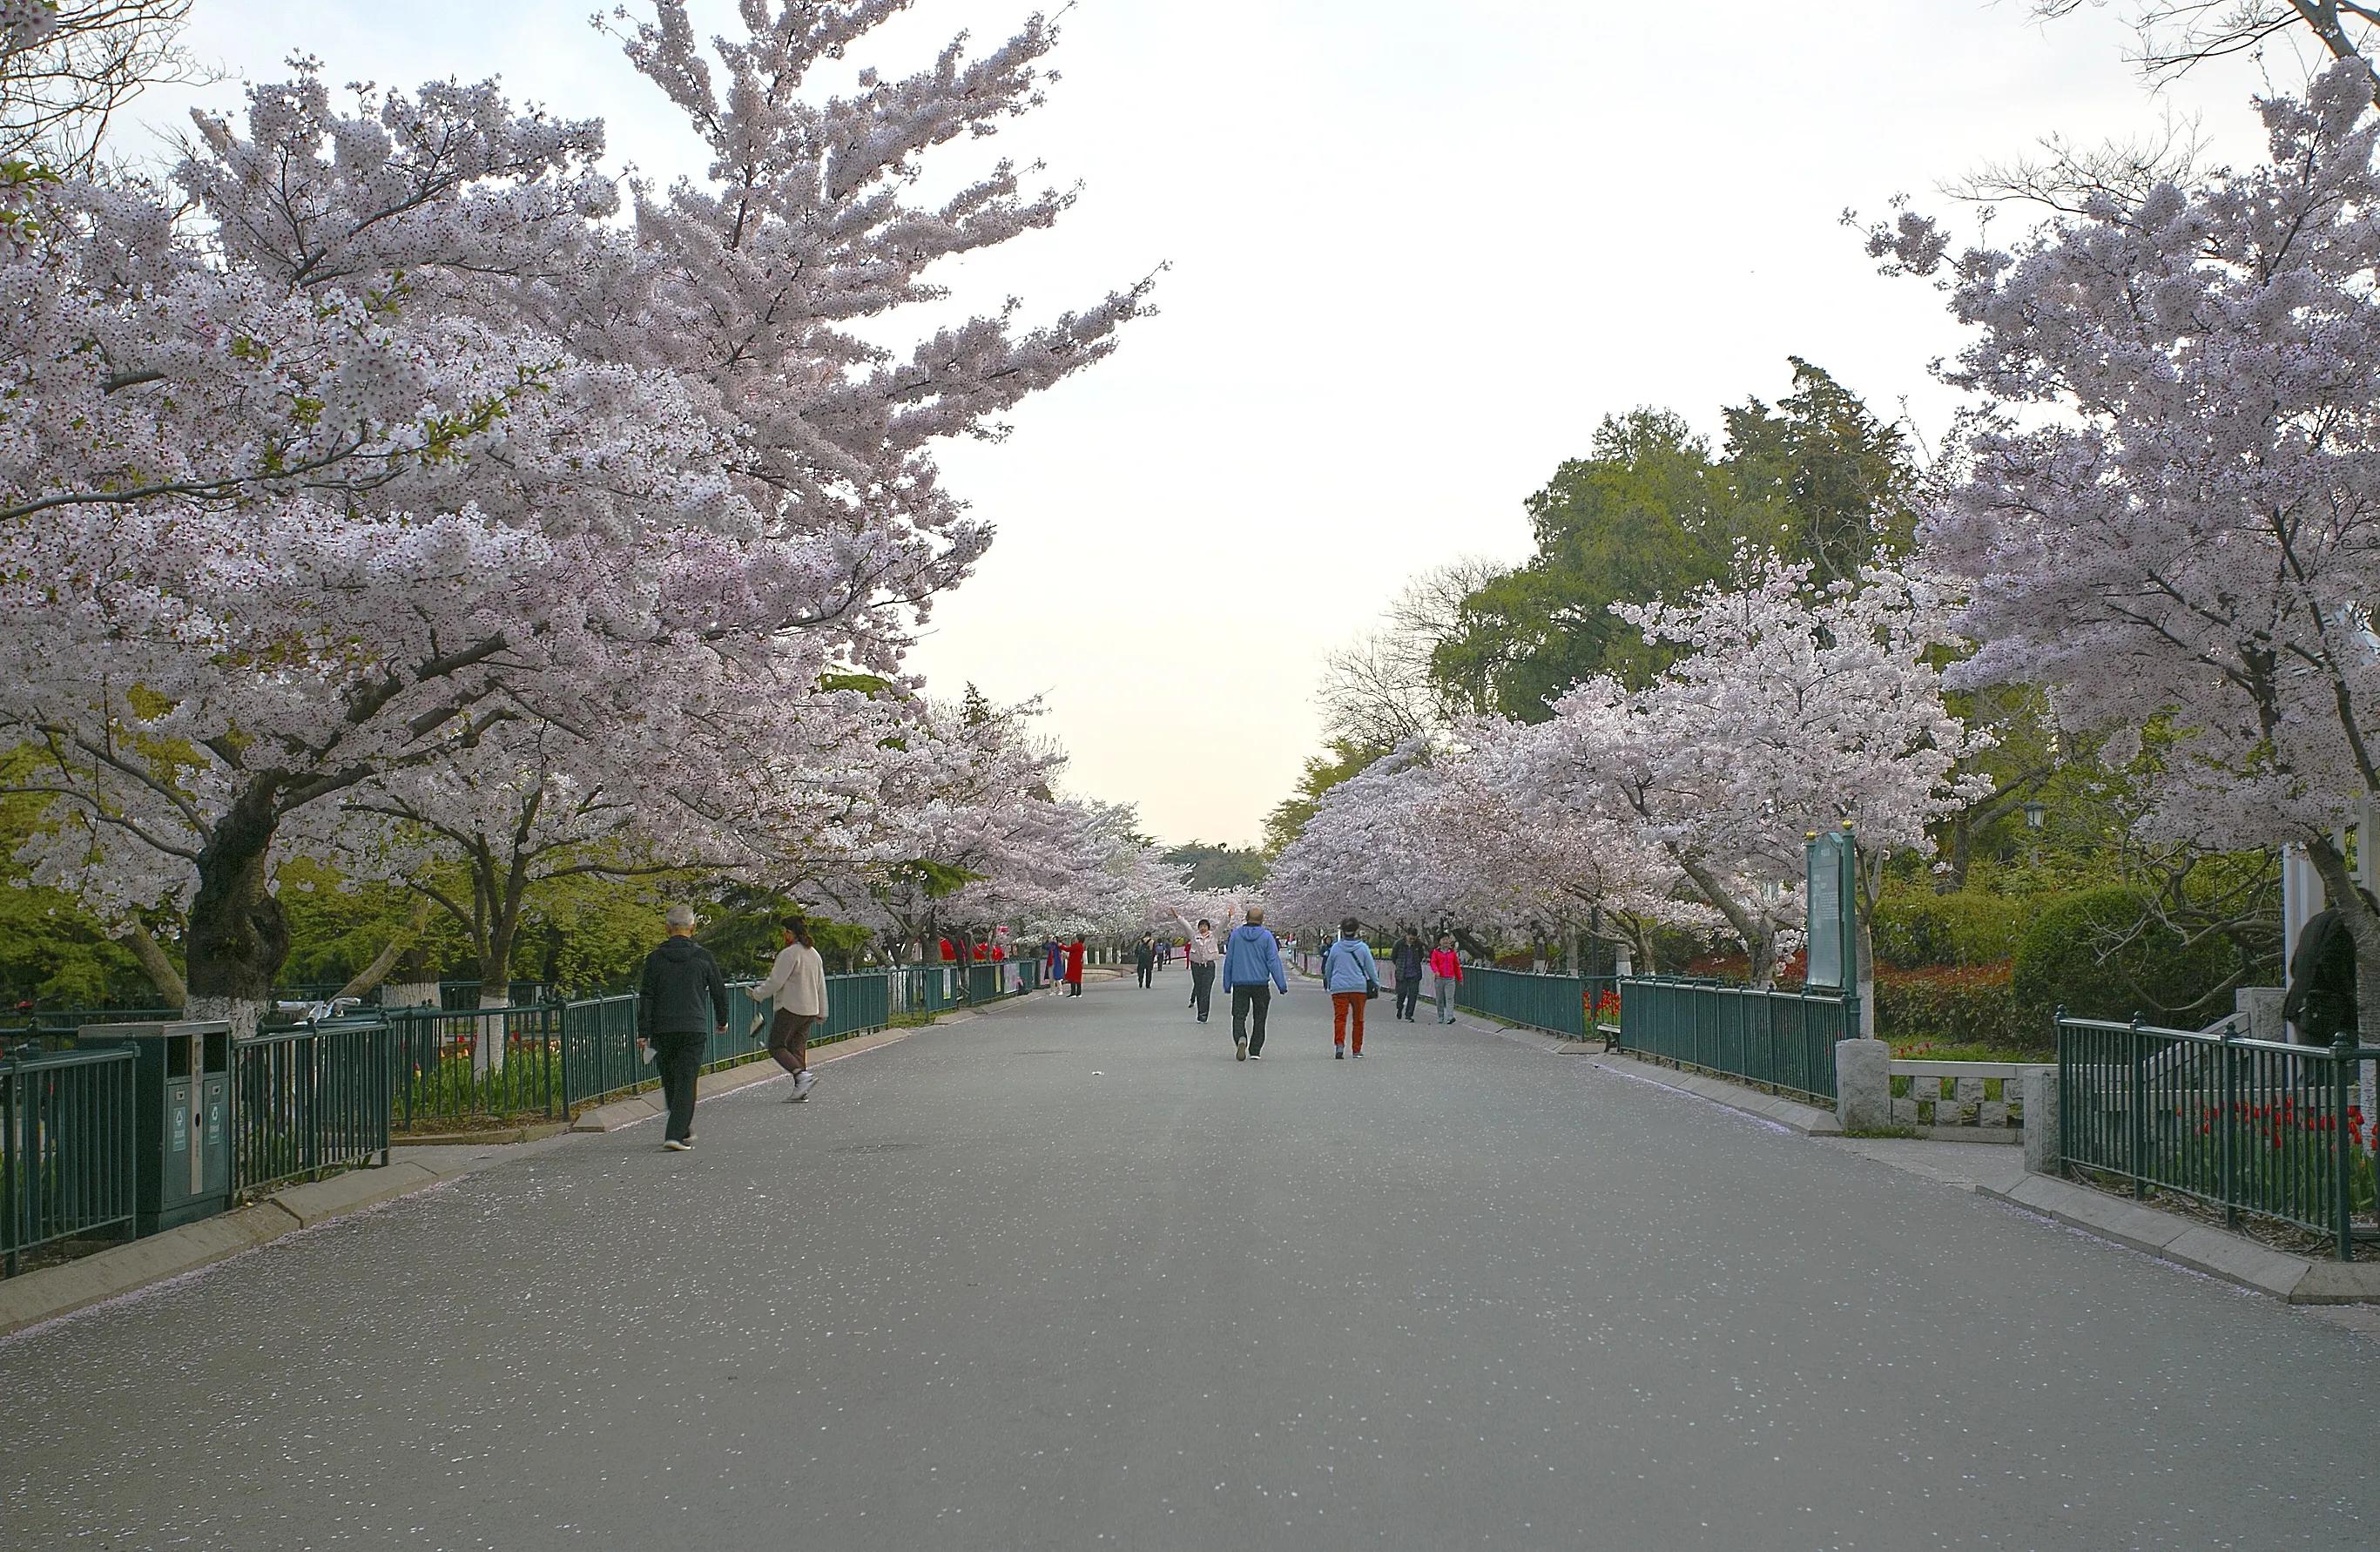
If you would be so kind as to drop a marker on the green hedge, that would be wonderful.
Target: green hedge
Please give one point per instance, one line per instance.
(2102, 954)
(1917, 927)
(1969, 1005)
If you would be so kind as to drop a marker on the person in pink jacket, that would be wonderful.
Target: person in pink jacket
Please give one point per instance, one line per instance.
(1448, 970)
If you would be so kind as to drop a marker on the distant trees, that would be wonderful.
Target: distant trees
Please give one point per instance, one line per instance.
(1653, 512)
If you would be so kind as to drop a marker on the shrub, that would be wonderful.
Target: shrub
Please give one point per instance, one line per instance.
(2103, 954)
(1914, 927)
(1955, 1006)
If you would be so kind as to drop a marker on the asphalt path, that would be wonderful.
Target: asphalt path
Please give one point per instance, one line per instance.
(1068, 1276)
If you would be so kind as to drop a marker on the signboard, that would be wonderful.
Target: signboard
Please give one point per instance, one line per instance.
(1833, 898)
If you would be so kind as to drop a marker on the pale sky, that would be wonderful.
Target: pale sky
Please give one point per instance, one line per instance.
(1417, 250)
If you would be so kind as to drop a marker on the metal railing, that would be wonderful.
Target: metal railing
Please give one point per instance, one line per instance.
(1557, 1004)
(2249, 1126)
(67, 1167)
(308, 1101)
(927, 988)
(1784, 1039)
(552, 1059)
(489, 1061)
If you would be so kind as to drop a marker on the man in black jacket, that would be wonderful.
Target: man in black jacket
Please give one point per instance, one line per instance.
(682, 997)
(1408, 957)
(2320, 1000)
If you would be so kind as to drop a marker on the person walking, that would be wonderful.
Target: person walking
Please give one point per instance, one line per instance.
(2321, 999)
(1252, 967)
(1054, 973)
(1075, 968)
(1408, 958)
(796, 986)
(1353, 981)
(1448, 968)
(680, 1000)
(1144, 960)
(1202, 952)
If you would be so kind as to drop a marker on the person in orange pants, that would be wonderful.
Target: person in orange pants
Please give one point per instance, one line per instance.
(1351, 977)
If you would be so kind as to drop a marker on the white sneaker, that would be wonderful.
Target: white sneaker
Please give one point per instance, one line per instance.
(804, 1081)
(674, 1146)
(1242, 1046)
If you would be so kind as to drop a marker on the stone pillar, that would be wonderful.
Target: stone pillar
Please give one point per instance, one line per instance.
(1863, 1084)
(2258, 1014)
(2039, 1090)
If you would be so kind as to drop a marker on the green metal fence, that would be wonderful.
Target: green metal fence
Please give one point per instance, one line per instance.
(1559, 1004)
(66, 1134)
(2249, 1126)
(1784, 1039)
(308, 1101)
(489, 1061)
(557, 1057)
(927, 988)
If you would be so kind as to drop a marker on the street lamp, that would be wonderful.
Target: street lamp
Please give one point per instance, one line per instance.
(2034, 813)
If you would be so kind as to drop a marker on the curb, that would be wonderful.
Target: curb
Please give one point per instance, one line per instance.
(1792, 1114)
(534, 1133)
(2196, 1247)
(2201, 1247)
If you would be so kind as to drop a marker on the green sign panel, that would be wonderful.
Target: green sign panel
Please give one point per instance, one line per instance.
(1833, 902)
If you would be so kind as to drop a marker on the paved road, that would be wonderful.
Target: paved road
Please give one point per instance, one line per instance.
(1068, 1276)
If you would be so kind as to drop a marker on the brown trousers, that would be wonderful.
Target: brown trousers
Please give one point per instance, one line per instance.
(789, 1039)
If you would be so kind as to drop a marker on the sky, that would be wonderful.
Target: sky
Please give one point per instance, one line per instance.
(1413, 251)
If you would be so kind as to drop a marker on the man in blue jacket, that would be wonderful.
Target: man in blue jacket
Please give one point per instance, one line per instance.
(1252, 967)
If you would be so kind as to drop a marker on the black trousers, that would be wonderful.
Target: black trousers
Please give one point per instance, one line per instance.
(1147, 972)
(1408, 995)
(1202, 988)
(679, 1057)
(1244, 997)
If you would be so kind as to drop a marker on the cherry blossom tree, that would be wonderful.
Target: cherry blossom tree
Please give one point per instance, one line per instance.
(2171, 495)
(402, 439)
(1790, 710)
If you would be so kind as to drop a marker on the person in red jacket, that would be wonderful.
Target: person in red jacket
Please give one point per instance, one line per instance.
(1448, 970)
(1075, 968)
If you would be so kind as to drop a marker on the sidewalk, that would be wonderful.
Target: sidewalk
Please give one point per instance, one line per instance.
(2350, 1290)
(35, 1297)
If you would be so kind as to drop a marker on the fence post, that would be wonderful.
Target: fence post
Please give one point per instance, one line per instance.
(10, 1237)
(2226, 1093)
(2136, 1113)
(2343, 1086)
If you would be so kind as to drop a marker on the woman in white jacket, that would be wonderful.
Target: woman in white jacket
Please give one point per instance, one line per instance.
(797, 985)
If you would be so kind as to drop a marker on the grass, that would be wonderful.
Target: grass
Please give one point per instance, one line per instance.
(1905, 1132)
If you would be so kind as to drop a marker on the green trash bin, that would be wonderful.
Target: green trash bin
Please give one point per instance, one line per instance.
(181, 1109)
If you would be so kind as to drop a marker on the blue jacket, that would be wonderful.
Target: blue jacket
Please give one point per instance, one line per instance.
(1347, 965)
(1250, 956)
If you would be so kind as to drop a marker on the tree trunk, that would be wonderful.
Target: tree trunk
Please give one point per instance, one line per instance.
(1864, 976)
(154, 964)
(1953, 878)
(394, 950)
(239, 936)
(495, 991)
(1760, 947)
